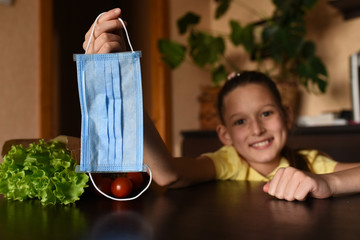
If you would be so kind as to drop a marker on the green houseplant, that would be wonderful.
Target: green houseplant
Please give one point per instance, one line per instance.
(277, 44)
(282, 40)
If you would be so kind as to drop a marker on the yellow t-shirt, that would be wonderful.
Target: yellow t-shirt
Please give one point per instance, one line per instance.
(230, 166)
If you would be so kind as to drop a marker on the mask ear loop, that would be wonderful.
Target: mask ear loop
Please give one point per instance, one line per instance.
(123, 199)
(146, 167)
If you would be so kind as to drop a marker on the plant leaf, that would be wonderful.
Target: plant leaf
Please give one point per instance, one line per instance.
(313, 72)
(205, 48)
(282, 42)
(287, 10)
(235, 35)
(318, 67)
(242, 35)
(248, 38)
(172, 53)
(218, 74)
(223, 6)
(186, 21)
(309, 4)
(308, 49)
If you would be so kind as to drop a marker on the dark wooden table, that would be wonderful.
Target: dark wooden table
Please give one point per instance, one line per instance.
(216, 210)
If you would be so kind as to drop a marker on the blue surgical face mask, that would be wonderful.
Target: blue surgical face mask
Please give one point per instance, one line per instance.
(111, 106)
(110, 93)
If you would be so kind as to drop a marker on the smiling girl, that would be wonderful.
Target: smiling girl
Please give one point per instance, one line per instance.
(254, 132)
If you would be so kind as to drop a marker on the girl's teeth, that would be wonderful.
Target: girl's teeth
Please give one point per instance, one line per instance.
(261, 144)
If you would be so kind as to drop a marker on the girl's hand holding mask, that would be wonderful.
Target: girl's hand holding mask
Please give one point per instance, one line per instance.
(108, 34)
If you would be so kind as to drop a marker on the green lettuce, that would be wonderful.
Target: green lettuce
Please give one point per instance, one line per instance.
(44, 171)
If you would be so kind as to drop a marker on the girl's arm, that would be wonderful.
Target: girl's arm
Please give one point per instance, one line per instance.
(346, 181)
(344, 166)
(167, 171)
(292, 184)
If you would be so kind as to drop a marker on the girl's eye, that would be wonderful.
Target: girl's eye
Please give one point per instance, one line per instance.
(239, 122)
(266, 114)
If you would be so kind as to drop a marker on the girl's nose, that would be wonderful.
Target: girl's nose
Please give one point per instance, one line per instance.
(257, 128)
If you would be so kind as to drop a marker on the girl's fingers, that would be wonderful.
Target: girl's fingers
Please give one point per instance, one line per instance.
(306, 186)
(266, 187)
(274, 182)
(109, 22)
(107, 35)
(291, 188)
(112, 14)
(301, 193)
(106, 39)
(283, 183)
(287, 183)
(110, 47)
(290, 184)
(110, 26)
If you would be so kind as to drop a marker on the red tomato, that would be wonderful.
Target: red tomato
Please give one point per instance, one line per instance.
(121, 187)
(103, 183)
(137, 179)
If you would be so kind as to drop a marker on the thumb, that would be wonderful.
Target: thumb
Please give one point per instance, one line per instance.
(266, 187)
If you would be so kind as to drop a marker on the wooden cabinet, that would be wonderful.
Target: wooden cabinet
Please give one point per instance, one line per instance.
(349, 8)
(198, 142)
(340, 142)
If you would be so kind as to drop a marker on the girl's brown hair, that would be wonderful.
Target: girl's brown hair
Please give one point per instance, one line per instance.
(254, 77)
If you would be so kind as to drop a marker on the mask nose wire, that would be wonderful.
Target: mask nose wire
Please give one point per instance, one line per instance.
(93, 29)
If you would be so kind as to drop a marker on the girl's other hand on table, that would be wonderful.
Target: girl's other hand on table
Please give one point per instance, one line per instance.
(292, 184)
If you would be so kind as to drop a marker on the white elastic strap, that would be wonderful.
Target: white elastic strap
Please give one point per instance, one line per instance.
(93, 29)
(124, 199)
(127, 35)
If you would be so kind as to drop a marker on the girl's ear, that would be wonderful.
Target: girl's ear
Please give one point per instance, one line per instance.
(289, 118)
(223, 135)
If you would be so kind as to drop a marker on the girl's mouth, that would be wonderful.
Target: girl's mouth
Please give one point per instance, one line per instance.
(262, 144)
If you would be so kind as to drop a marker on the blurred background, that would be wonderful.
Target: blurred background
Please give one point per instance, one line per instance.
(38, 38)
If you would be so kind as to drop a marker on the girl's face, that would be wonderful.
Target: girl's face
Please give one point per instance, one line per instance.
(255, 125)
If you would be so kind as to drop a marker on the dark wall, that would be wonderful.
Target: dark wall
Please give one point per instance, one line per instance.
(72, 19)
